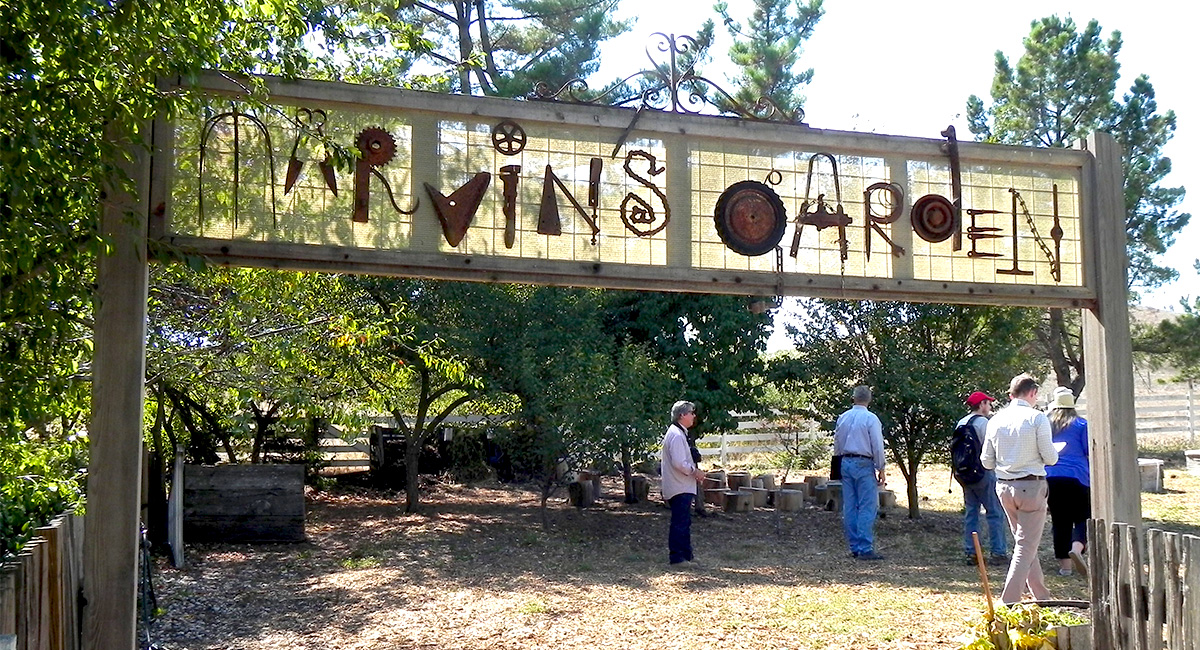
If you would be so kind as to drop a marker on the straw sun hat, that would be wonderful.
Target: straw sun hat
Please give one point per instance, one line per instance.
(1063, 398)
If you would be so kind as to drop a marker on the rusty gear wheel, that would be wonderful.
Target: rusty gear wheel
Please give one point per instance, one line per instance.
(933, 218)
(378, 147)
(750, 218)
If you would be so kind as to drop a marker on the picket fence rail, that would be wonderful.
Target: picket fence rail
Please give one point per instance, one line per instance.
(40, 589)
(1145, 589)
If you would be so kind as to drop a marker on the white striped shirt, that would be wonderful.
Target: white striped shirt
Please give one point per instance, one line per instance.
(1018, 442)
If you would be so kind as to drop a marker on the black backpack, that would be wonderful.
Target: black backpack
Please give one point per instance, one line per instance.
(964, 453)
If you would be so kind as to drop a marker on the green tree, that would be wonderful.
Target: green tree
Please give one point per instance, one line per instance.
(403, 361)
(70, 72)
(235, 364)
(1063, 89)
(919, 360)
(767, 48)
(545, 364)
(503, 47)
(712, 345)
(1175, 341)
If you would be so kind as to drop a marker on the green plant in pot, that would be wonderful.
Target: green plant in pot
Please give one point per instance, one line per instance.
(1024, 626)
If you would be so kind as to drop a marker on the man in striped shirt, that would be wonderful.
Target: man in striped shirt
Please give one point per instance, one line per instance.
(1018, 445)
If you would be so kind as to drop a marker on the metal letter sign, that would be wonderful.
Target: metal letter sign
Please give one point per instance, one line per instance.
(680, 205)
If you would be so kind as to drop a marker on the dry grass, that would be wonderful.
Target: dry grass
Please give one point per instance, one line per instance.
(475, 570)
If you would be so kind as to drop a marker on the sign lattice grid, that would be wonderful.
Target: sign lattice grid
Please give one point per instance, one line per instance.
(653, 201)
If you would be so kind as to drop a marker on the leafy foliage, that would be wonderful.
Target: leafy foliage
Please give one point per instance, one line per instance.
(1023, 626)
(38, 480)
(919, 360)
(1176, 340)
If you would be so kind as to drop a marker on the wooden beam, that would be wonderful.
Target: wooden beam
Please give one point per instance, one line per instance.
(1107, 348)
(379, 99)
(118, 372)
(484, 268)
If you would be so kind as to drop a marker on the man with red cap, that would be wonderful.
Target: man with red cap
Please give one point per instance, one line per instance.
(982, 493)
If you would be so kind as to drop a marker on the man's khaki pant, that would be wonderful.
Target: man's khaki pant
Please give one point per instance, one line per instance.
(1025, 504)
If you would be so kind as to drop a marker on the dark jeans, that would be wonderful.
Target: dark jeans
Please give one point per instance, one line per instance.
(1070, 504)
(679, 539)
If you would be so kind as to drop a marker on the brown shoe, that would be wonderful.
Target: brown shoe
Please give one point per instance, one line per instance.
(1079, 563)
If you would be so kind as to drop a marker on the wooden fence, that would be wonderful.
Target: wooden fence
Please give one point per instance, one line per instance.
(1158, 415)
(753, 436)
(1161, 415)
(1145, 594)
(39, 589)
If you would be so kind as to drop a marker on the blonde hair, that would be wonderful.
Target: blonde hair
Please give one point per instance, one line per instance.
(1061, 418)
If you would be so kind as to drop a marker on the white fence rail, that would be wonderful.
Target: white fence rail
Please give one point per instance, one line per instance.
(1159, 416)
(1165, 415)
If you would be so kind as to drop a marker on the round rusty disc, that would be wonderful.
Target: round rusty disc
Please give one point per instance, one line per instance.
(933, 218)
(750, 218)
(377, 146)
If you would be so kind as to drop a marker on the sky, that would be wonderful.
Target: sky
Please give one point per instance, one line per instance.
(907, 68)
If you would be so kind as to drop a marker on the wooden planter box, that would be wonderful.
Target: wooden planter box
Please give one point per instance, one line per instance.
(243, 503)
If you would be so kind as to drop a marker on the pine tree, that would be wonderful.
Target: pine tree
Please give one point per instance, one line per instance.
(1063, 89)
(767, 50)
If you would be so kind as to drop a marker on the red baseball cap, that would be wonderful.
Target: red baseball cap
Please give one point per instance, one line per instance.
(978, 397)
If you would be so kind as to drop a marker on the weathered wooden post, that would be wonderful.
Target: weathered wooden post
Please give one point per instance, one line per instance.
(1107, 346)
(118, 374)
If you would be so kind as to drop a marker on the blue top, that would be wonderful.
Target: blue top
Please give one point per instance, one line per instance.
(1072, 445)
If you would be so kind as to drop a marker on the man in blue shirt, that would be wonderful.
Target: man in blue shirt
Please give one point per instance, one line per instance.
(858, 439)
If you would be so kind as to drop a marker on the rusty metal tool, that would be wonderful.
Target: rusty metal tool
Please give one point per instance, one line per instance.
(950, 148)
(377, 148)
(872, 221)
(457, 210)
(509, 178)
(817, 213)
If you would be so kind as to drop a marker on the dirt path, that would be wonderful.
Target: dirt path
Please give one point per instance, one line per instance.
(475, 570)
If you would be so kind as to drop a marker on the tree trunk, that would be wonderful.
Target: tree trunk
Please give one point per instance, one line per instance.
(1066, 359)
(412, 473)
(547, 488)
(627, 475)
(465, 45)
(156, 508)
(910, 477)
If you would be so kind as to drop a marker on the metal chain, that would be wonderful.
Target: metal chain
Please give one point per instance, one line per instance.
(1055, 270)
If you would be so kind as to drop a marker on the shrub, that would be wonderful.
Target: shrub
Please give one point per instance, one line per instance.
(38, 480)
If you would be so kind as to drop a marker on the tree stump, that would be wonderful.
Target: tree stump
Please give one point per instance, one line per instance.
(833, 496)
(738, 500)
(738, 480)
(802, 488)
(760, 496)
(715, 496)
(641, 488)
(768, 480)
(887, 499)
(580, 494)
(814, 482)
(711, 487)
(717, 475)
(789, 500)
(818, 495)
